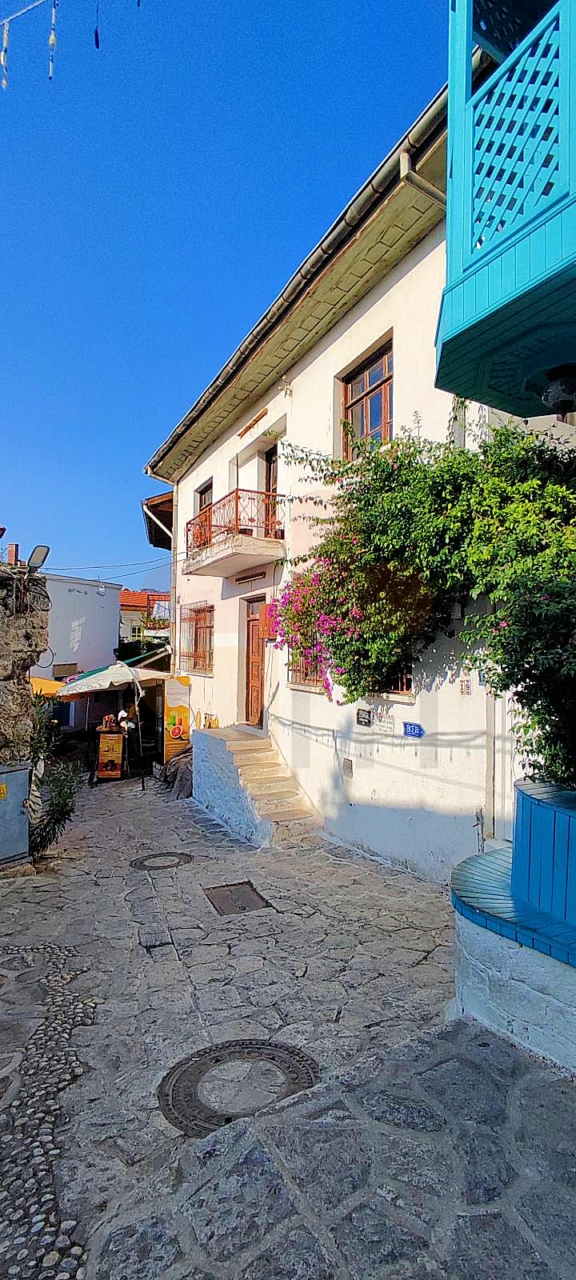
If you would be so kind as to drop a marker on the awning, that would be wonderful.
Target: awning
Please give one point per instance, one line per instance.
(117, 676)
(48, 688)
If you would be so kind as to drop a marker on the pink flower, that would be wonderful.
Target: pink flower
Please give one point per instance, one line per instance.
(503, 624)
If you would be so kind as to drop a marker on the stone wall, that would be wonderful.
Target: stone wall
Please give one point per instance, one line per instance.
(23, 637)
(517, 992)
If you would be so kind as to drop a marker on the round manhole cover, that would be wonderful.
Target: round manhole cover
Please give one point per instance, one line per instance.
(216, 1085)
(160, 861)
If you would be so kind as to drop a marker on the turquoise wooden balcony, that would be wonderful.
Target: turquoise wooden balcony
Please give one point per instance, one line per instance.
(507, 330)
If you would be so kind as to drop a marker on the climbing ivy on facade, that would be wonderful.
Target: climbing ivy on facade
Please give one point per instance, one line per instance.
(411, 530)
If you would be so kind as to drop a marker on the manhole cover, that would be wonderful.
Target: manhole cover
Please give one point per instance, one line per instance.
(234, 899)
(160, 861)
(215, 1086)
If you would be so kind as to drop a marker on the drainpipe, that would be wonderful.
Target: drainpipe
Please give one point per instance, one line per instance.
(413, 179)
(173, 582)
(490, 794)
(490, 797)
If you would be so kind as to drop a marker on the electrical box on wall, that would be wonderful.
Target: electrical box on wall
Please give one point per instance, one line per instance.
(14, 826)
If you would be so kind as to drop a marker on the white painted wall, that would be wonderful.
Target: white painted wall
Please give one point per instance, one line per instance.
(517, 992)
(414, 801)
(83, 623)
(216, 786)
(131, 618)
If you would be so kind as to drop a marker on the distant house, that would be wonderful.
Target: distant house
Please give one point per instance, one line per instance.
(83, 625)
(144, 615)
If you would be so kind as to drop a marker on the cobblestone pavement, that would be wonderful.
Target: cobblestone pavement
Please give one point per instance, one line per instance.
(425, 1152)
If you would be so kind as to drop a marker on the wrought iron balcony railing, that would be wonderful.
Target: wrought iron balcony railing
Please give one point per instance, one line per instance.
(244, 511)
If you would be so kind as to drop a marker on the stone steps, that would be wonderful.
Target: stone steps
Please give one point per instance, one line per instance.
(265, 788)
(253, 774)
(271, 786)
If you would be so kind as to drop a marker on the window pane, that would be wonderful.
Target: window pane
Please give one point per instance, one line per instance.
(390, 406)
(376, 440)
(358, 419)
(357, 387)
(389, 363)
(376, 373)
(375, 407)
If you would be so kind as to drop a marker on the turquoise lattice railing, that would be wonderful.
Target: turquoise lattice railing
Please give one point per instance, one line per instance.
(516, 140)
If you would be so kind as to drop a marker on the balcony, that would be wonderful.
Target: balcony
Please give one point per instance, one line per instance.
(508, 319)
(244, 529)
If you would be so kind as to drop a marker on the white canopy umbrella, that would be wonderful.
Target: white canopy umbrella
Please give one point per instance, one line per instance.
(117, 676)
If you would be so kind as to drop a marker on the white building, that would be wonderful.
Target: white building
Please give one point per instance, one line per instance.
(366, 298)
(83, 625)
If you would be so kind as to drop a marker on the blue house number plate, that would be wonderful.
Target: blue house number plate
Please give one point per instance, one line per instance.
(412, 730)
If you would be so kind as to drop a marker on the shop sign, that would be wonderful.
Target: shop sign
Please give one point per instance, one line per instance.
(176, 715)
(364, 717)
(384, 723)
(110, 755)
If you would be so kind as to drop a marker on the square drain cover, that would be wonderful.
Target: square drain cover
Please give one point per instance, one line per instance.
(234, 899)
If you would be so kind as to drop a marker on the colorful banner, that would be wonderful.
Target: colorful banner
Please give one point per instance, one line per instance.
(176, 715)
(110, 755)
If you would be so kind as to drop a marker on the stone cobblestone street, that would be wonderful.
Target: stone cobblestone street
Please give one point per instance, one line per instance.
(427, 1150)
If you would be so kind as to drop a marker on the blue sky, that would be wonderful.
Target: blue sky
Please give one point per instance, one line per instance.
(155, 198)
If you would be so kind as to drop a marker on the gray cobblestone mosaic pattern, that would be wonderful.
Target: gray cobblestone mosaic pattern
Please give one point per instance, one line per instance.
(426, 1152)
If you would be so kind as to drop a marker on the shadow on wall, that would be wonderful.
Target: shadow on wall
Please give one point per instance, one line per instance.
(420, 838)
(407, 816)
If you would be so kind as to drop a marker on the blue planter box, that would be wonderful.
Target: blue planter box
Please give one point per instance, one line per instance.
(509, 308)
(528, 895)
(544, 849)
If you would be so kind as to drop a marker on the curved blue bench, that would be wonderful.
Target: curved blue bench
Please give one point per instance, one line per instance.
(528, 894)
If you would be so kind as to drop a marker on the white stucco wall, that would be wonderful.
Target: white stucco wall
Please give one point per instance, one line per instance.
(216, 786)
(83, 624)
(517, 992)
(414, 801)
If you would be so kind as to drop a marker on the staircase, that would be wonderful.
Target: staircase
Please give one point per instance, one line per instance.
(273, 790)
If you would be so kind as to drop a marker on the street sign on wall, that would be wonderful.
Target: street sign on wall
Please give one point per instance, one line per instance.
(412, 730)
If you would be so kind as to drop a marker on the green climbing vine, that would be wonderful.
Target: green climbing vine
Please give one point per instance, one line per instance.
(411, 530)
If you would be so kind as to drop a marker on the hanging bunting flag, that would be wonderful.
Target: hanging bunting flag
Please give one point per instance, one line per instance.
(4, 55)
(52, 40)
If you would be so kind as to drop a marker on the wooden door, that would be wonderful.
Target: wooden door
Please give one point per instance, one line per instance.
(254, 666)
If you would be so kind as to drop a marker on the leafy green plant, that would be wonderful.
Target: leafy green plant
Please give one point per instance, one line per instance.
(60, 781)
(62, 785)
(413, 528)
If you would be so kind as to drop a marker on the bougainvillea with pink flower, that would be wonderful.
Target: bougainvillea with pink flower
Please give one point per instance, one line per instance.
(412, 529)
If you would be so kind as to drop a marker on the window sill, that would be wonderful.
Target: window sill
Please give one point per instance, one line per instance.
(206, 675)
(305, 688)
(403, 699)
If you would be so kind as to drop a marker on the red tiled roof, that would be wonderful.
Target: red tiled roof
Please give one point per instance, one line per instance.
(141, 599)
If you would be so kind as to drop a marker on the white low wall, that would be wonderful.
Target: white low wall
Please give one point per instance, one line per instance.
(519, 993)
(216, 786)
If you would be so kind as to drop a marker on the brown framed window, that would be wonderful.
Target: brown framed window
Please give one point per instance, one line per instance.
(303, 670)
(205, 496)
(368, 399)
(400, 681)
(197, 637)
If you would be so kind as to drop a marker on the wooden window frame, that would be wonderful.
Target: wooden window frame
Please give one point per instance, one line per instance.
(202, 492)
(385, 384)
(402, 683)
(303, 672)
(197, 638)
